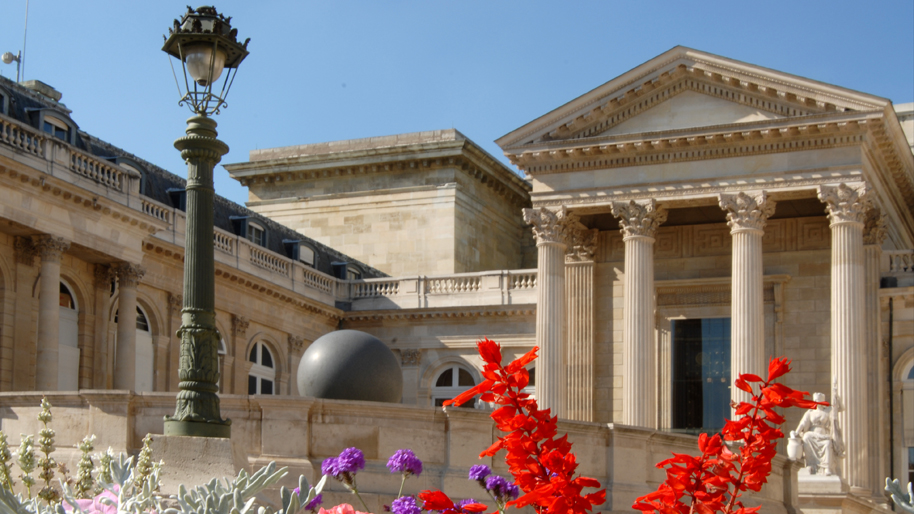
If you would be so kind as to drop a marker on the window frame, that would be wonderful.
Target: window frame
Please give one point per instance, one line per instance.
(261, 372)
(443, 393)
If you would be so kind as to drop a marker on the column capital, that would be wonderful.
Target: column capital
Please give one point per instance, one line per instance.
(410, 357)
(874, 227)
(845, 203)
(51, 247)
(639, 218)
(175, 302)
(582, 244)
(239, 325)
(25, 250)
(550, 226)
(104, 274)
(746, 211)
(128, 274)
(296, 343)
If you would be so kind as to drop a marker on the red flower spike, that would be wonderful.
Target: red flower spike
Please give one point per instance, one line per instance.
(714, 481)
(435, 500)
(489, 351)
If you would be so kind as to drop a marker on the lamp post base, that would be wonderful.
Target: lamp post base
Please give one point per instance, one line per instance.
(197, 429)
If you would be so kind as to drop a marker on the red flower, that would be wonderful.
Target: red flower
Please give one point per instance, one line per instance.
(714, 481)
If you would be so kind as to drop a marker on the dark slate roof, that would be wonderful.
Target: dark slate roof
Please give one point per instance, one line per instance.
(157, 183)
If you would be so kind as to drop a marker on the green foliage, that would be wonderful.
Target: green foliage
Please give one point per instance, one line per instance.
(84, 480)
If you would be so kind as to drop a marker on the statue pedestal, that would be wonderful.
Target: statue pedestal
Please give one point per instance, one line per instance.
(819, 484)
(195, 461)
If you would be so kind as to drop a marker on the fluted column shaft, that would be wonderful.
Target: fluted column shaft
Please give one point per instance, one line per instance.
(50, 249)
(579, 324)
(746, 216)
(847, 207)
(639, 222)
(551, 231)
(128, 276)
(874, 234)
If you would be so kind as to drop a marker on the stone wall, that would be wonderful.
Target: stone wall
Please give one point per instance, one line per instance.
(301, 432)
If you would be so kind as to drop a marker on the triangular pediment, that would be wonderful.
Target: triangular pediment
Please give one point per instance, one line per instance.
(690, 109)
(685, 88)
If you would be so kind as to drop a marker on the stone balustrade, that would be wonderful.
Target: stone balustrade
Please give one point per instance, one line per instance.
(300, 432)
(18, 136)
(899, 261)
(502, 287)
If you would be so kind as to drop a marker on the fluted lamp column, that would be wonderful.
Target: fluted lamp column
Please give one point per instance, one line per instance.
(639, 221)
(206, 45)
(50, 248)
(847, 207)
(747, 214)
(551, 230)
(128, 276)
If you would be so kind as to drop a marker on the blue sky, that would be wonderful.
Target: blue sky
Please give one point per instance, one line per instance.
(323, 71)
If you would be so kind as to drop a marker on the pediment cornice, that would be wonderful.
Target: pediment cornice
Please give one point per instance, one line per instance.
(684, 69)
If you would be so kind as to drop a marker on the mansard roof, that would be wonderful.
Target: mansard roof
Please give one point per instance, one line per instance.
(158, 182)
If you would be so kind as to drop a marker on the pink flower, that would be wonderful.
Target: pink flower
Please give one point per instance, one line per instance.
(343, 508)
(94, 506)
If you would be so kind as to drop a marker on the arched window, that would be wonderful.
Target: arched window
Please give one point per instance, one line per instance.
(262, 376)
(145, 355)
(68, 351)
(450, 382)
(907, 412)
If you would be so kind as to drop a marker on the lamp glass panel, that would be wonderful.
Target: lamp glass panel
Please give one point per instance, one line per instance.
(198, 58)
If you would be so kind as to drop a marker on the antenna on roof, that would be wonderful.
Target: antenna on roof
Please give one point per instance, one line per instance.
(8, 57)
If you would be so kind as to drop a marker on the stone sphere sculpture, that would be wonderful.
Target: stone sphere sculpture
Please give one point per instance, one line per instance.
(350, 365)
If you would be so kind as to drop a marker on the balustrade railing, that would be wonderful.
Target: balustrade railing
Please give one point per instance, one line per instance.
(900, 261)
(269, 260)
(451, 285)
(373, 288)
(224, 242)
(17, 136)
(98, 170)
(156, 210)
(318, 280)
(522, 279)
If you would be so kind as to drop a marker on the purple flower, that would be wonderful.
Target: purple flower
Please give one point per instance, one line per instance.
(405, 505)
(479, 472)
(461, 503)
(501, 488)
(328, 467)
(404, 461)
(317, 500)
(349, 461)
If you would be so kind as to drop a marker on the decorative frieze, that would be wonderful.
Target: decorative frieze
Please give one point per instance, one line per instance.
(845, 204)
(410, 357)
(874, 227)
(746, 211)
(639, 218)
(551, 226)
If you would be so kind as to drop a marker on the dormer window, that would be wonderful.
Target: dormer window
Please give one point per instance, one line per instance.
(256, 234)
(56, 128)
(296, 251)
(4, 101)
(353, 273)
(306, 256)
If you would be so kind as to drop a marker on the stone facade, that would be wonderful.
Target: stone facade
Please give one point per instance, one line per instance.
(693, 188)
(428, 202)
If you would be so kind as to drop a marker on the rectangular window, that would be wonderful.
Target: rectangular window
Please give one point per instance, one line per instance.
(252, 385)
(255, 234)
(55, 131)
(701, 374)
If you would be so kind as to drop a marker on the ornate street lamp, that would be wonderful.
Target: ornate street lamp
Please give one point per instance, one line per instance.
(205, 44)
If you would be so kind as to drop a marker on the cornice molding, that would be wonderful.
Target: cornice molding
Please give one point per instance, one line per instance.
(48, 184)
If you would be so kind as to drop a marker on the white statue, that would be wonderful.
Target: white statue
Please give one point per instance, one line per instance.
(820, 437)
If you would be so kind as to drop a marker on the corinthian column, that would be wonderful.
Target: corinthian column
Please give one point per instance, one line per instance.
(551, 230)
(639, 222)
(128, 276)
(874, 233)
(579, 323)
(747, 215)
(50, 249)
(847, 207)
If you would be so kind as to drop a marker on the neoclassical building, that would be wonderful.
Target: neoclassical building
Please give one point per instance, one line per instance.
(674, 227)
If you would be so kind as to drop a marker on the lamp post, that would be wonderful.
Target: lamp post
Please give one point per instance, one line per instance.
(205, 44)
